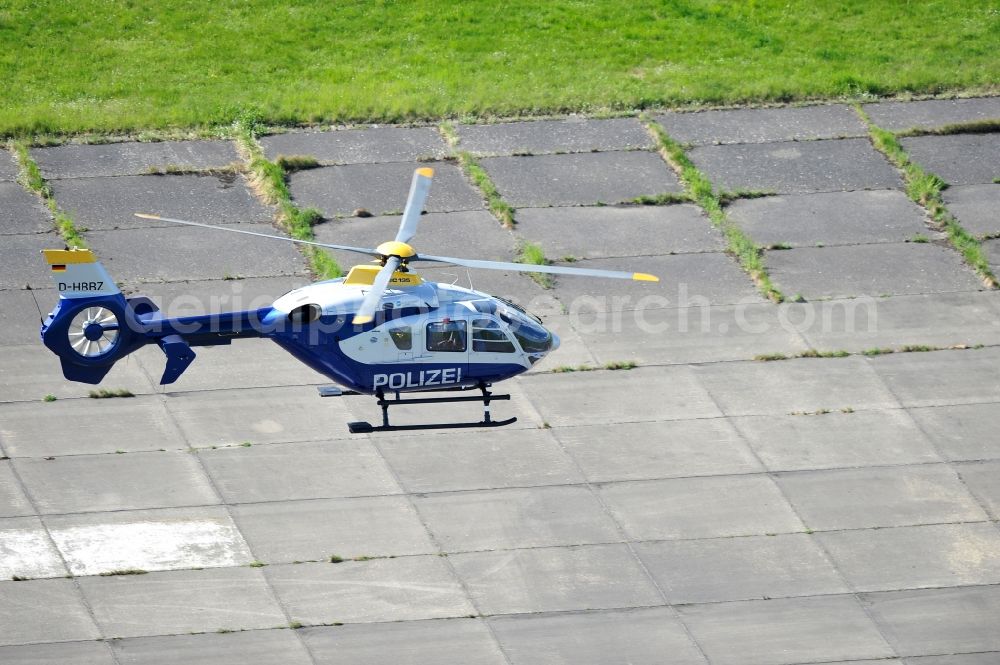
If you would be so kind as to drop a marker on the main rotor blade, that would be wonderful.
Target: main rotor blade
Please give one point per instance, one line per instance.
(346, 248)
(366, 313)
(419, 188)
(530, 267)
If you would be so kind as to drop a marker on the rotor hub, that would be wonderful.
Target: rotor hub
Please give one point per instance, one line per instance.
(396, 248)
(93, 331)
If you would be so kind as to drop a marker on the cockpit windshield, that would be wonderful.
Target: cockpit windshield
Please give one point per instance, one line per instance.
(530, 334)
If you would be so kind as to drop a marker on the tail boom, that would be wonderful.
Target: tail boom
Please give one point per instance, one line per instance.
(94, 325)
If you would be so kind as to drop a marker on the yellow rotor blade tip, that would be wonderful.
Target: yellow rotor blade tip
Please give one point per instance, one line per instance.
(643, 277)
(360, 320)
(426, 171)
(146, 215)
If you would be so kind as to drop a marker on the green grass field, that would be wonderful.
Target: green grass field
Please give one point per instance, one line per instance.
(102, 65)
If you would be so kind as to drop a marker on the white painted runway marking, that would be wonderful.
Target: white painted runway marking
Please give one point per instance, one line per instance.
(101, 548)
(28, 553)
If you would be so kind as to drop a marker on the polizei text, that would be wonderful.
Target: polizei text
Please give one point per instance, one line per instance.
(427, 377)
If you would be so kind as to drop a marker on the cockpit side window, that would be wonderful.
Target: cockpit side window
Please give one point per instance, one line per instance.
(402, 337)
(488, 337)
(446, 336)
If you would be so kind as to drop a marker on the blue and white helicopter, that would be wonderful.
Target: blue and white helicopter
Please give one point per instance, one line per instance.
(381, 330)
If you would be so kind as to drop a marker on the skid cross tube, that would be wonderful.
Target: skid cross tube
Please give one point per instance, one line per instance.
(486, 397)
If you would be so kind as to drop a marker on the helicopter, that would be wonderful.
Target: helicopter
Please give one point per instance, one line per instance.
(381, 330)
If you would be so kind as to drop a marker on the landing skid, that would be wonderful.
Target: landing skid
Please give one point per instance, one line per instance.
(362, 427)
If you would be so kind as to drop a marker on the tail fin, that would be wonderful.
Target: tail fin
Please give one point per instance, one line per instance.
(78, 274)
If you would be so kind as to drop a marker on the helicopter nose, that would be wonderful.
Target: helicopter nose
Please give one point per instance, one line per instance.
(555, 342)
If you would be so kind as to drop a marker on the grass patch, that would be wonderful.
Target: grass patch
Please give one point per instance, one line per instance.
(500, 209)
(925, 188)
(975, 127)
(919, 238)
(270, 181)
(612, 365)
(725, 198)
(49, 398)
(292, 163)
(67, 228)
(181, 169)
(813, 353)
(142, 136)
(876, 351)
(818, 412)
(698, 187)
(336, 559)
(662, 199)
(169, 169)
(124, 571)
(30, 177)
(810, 353)
(563, 369)
(918, 348)
(780, 246)
(533, 254)
(312, 61)
(104, 393)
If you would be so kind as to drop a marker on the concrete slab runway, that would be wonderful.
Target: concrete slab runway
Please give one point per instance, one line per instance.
(790, 123)
(358, 146)
(549, 136)
(21, 211)
(580, 178)
(960, 159)
(705, 507)
(8, 167)
(790, 167)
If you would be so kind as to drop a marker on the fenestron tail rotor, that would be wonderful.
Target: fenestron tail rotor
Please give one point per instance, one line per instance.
(93, 332)
(397, 254)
